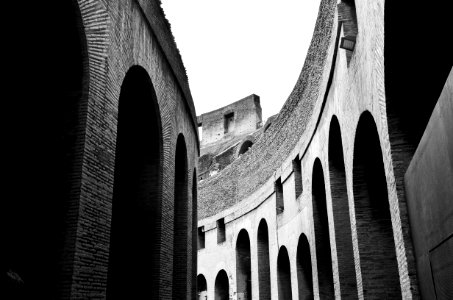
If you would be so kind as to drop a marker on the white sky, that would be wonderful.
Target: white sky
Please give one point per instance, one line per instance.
(234, 48)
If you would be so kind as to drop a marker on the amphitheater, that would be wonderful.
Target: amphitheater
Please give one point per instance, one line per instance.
(347, 192)
(109, 193)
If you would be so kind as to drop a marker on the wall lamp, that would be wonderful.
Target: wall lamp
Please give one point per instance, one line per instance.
(347, 43)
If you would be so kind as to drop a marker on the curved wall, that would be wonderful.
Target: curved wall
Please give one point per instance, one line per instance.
(331, 86)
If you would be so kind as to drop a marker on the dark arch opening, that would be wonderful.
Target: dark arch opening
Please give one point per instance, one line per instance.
(378, 262)
(180, 233)
(264, 276)
(304, 270)
(202, 287)
(243, 266)
(322, 237)
(194, 229)
(222, 287)
(46, 85)
(348, 16)
(284, 275)
(340, 209)
(245, 147)
(133, 270)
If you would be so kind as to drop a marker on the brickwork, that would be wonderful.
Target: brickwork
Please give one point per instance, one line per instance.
(364, 216)
(69, 149)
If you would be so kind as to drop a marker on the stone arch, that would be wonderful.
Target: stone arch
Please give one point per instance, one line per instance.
(340, 209)
(304, 269)
(243, 266)
(48, 81)
(222, 286)
(284, 275)
(378, 263)
(133, 269)
(264, 277)
(245, 145)
(194, 227)
(202, 287)
(180, 228)
(322, 236)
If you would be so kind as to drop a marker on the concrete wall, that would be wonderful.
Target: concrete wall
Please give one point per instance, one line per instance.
(430, 197)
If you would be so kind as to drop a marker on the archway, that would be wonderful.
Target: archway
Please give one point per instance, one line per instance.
(264, 277)
(202, 287)
(245, 146)
(46, 87)
(284, 275)
(304, 270)
(340, 209)
(243, 266)
(379, 267)
(222, 287)
(133, 270)
(322, 236)
(180, 230)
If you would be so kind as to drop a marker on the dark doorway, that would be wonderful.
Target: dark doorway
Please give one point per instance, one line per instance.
(180, 229)
(322, 236)
(202, 288)
(133, 270)
(264, 276)
(378, 262)
(304, 270)
(243, 266)
(284, 275)
(340, 209)
(222, 287)
(45, 90)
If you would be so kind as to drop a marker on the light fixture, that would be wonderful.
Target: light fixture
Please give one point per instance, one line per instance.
(348, 43)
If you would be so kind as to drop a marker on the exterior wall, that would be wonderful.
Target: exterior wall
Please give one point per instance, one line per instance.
(430, 193)
(243, 193)
(247, 119)
(119, 35)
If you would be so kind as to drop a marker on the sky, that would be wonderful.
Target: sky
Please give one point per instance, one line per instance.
(235, 48)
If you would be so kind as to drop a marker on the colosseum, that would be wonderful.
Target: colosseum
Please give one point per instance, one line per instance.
(347, 192)
(110, 194)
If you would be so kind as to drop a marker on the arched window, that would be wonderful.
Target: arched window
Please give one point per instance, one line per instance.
(222, 287)
(202, 287)
(304, 269)
(245, 147)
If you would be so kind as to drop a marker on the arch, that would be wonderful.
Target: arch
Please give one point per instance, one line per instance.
(304, 269)
(245, 146)
(133, 269)
(264, 277)
(284, 275)
(49, 86)
(222, 287)
(378, 262)
(194, 228)
(202, 287)
(243, 266)
(322, 236)
(180, 229)
(340, 209)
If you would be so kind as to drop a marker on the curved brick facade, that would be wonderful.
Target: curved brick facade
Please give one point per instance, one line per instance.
(328, 176)
(79, 55)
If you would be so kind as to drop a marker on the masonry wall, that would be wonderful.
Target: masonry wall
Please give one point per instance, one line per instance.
(243, 193)
(117, 35)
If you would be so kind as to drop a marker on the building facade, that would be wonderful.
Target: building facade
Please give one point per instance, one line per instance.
(102, 155)
(348, 193)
